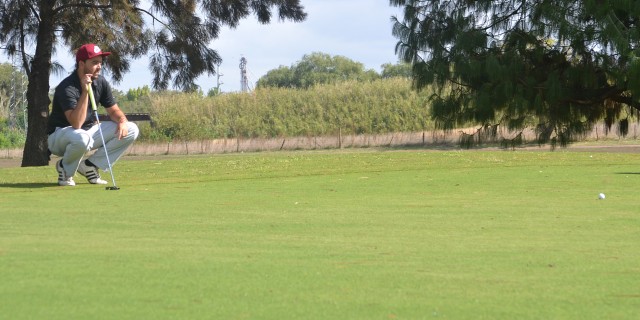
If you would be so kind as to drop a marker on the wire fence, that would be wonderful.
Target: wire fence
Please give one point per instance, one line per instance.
(424, 139)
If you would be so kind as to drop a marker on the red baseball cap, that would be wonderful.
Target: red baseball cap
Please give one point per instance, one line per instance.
(89, 51)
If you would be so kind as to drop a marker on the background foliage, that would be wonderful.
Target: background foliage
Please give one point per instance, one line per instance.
(352, 107)
(386, 103)
(367, 103)
(321, 68)
(12, 85)
(10, 137)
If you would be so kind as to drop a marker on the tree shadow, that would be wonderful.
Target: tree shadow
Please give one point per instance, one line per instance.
(33, 185)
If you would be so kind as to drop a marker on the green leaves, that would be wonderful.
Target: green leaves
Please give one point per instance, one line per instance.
(351, 107)
(315, 69)
(563, 61)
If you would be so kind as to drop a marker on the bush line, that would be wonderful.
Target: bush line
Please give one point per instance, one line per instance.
(377, 107)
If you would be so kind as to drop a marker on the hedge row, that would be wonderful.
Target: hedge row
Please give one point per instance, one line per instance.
(380, 106)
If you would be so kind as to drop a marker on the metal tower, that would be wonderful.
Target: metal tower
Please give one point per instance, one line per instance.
(244, 80)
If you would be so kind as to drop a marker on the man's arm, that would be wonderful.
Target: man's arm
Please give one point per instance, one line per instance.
(78, 115)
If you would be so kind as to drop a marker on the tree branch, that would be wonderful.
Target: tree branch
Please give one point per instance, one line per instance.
(25, 62)
(626, 100)
(34, 11)
(611, 93)
(502, 19)
(152, 16)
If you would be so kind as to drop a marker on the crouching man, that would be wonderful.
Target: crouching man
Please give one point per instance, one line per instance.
(72, 129)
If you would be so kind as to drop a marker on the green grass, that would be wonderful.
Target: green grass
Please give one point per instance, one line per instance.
(355, 234)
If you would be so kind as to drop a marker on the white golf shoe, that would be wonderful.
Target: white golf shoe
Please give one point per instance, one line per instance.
(91, 173)
(63, 179)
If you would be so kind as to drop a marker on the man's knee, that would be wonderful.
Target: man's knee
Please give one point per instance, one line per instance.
(133, 131)
(81, 140)
(69, 140)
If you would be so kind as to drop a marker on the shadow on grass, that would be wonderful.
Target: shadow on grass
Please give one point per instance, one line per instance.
(33, 185)
(627, 172)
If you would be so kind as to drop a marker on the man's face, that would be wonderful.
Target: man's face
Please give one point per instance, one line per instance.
(93, 66)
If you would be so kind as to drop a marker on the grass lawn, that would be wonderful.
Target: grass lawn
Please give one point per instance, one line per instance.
(358, 234)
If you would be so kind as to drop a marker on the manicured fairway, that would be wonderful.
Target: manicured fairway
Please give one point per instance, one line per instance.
(359, 234)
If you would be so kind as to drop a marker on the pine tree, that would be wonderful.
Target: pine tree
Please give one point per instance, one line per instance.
(557, 65)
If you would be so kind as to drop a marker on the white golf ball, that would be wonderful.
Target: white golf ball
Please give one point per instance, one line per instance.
(601, 196)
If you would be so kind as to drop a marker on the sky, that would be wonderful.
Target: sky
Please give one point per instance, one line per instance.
(357, 29)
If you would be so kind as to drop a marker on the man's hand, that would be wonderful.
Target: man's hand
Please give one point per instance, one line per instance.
(118, 117)
(86, 80)
(122, 129)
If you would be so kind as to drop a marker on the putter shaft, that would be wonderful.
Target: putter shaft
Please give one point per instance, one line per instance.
(104, 145)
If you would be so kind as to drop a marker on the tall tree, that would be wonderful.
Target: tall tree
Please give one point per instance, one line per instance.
(317, 68)
(402, 70)
(557, 65)
(6, 70)
(12, 86)
(175, 33)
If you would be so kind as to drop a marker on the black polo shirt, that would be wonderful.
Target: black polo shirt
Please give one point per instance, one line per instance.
(66, 98)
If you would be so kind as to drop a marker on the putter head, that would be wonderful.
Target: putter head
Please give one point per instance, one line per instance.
(112, 188)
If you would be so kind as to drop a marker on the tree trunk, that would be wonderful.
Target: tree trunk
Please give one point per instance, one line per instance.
(35, 148)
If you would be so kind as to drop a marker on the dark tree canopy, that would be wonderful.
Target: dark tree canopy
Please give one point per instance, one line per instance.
(175, 33)
(559, 66)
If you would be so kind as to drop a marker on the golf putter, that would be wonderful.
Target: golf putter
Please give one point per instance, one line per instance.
(104, 145)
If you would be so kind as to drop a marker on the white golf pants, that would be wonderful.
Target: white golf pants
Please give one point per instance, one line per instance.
(72, 144)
